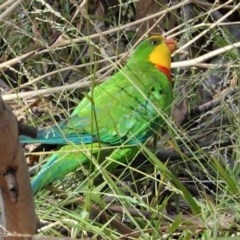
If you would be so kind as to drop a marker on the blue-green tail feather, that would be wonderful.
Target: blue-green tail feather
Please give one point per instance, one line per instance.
(56, 136)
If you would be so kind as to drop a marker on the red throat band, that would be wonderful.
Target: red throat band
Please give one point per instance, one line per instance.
(166, 71)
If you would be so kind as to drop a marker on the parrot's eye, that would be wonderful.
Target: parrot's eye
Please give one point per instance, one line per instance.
(155, 42)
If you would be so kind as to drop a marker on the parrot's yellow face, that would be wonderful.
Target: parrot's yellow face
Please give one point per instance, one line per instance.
(161, 54)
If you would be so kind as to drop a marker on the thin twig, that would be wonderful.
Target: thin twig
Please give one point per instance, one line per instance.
(18, 59)
(213, 103)
(6, 4)
(49, 91)
(210, 28)
(193, 20)
(193, 62)
(10, 9)
(206, 4)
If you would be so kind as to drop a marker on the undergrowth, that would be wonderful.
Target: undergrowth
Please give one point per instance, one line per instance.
(184, 184)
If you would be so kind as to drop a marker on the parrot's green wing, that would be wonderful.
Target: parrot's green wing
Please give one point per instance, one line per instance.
(125, 108)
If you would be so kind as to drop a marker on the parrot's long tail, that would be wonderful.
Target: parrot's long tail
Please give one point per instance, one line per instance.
(70, 157)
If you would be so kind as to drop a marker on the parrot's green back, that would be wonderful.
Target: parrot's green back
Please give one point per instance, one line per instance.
(126, 108)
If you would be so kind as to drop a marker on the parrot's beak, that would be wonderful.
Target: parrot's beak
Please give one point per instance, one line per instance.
(171, 43)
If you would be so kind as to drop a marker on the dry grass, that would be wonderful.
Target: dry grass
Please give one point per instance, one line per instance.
(52, 53)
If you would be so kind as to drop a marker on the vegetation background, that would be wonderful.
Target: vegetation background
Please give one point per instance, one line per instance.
(186, 185)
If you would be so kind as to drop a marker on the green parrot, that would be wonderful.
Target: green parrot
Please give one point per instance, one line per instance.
(125, 110)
